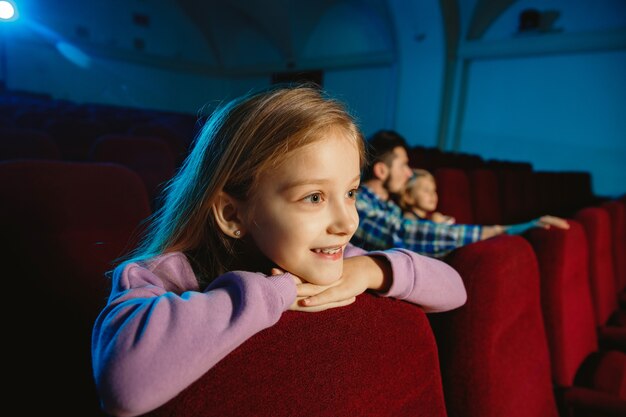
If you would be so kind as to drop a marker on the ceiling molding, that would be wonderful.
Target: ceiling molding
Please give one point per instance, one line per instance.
(541, 44)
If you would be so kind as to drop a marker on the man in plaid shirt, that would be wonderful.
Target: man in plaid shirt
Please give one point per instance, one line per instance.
(381, 223)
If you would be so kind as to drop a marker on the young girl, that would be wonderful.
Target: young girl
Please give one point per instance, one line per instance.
(419, 198)
(256, 222)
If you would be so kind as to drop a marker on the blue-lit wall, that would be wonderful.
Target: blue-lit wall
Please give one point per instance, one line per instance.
(117, 73)
(565, 110)
(559, 111)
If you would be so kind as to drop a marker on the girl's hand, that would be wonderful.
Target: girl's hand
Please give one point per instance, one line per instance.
(359, 274)
(304, 287)
(548, 221)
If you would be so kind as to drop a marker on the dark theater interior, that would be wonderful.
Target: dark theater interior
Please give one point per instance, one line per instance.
(516, 107)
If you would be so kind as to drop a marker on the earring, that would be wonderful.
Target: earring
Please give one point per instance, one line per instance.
(237, 233)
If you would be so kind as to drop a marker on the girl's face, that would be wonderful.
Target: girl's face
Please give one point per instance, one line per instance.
(303, 214)
(424, 194)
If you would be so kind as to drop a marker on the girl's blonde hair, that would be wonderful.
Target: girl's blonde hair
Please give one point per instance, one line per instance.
(238, 142)
(405, 197)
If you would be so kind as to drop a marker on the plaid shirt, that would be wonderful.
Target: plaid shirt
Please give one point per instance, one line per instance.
(382, 226)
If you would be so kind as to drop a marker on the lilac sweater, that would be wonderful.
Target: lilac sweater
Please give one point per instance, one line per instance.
(159, 332)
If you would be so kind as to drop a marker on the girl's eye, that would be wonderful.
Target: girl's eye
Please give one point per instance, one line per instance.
(352, 193)
(314, 198)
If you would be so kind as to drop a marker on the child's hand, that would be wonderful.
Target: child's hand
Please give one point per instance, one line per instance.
(547, 221)
(441, 218)
(359, 274)
(303, 288)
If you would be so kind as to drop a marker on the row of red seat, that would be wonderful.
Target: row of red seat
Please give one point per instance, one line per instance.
(64, 224)
(74, 140)
(484, 196)
(145, 152)
(88, 119)
(505, 194)
(511, 195)
(530, 323)
(582, 271)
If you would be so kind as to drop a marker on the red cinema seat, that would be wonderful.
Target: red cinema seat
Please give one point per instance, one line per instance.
(150, 158)
(27, 144)
(417, 157)
(485, 197)
(374, 358)
(516, 194)
(454, 194)
(617, 215)
(550, 193)
(577, 189)
(493, 350)
(468, 161)
(154, 129)
(587, 380)
(75, 136)
(63, 224)
(597, 225)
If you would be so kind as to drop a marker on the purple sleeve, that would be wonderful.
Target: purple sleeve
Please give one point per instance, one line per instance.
(428, 282)
(159, 333)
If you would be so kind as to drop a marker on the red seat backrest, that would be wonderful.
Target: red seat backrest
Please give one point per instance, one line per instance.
(563, 258)
(151, 158)
(516, 193)
(155, 129)
(549, 193)
(454, 194)
(485, 196)
(589, 380)
(376, 357)
(596, 223)
(27, 144)
(74, 137)
(577, 189)
(617, 215)
(63, 225)
(494, 353)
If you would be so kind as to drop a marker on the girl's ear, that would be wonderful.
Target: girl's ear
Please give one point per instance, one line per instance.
(381, 170)
(227, 215)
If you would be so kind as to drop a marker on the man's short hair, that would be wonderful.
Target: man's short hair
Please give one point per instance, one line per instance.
(380, 148)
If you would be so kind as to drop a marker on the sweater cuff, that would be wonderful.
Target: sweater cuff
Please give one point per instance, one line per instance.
(286, 288)
(401, 265)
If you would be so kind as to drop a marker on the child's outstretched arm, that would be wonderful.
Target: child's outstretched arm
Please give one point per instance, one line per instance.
(159, 333)
(398, 273)
(545, 222)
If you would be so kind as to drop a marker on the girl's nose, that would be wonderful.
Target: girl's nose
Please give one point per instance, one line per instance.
(344, 220)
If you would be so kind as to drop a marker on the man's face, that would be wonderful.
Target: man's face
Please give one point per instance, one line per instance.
(399, 171)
